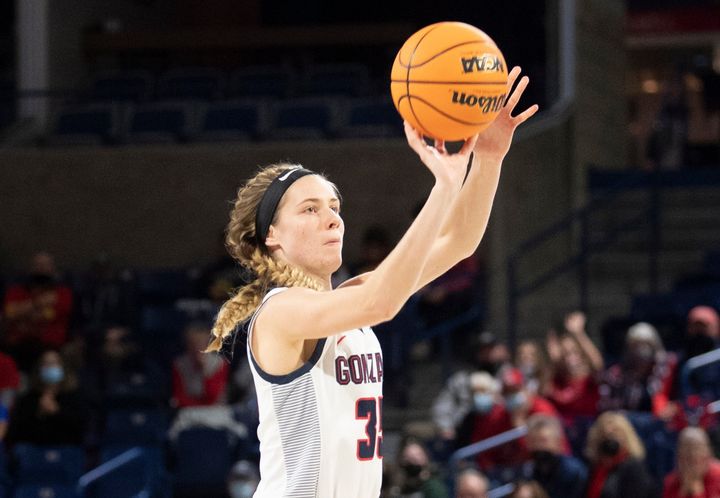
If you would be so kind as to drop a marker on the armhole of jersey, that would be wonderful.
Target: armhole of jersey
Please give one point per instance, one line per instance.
(280, 379)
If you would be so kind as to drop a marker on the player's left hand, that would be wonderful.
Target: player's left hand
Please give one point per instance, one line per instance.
(494, 142)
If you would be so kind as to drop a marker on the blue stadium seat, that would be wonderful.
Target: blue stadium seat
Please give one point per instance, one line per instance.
(203, 458)
(191, 84)
(370, 118)
(141, 389)
(307, 119)
(45, 491)
(350, 80)
(133, 86)
(160, 122)
(48, 464)
(233, 121)
(136, 427)
(87, 124)
(146, 473)
(276, 82)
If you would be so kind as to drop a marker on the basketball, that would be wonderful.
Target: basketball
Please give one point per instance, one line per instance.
(449, 81)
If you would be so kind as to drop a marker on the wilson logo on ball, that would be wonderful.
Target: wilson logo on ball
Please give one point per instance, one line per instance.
(486, 62)
(486, 104)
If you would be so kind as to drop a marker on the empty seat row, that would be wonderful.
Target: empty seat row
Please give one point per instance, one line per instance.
(229, 120)
(277, 81)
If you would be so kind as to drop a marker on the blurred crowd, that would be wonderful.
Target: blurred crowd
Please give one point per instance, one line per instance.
(79, 353)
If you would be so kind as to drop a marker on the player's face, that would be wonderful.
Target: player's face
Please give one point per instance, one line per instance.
(308, 230)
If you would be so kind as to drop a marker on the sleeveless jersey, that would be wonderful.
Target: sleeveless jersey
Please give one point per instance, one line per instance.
(320, 426)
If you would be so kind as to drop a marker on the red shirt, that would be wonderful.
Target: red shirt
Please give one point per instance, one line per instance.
(212, 383)
(47, 322)
(499, 420)
(575, 397)
(672, 485)
(9, 376)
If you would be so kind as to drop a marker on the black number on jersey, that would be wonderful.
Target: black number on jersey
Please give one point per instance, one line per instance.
(370, 409)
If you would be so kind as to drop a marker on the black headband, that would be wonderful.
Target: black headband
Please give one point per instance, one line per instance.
(271, 198)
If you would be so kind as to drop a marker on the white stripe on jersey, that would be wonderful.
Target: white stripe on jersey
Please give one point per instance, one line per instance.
(320, 426)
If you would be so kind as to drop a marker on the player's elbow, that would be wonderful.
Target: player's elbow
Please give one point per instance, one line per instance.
(384, 308)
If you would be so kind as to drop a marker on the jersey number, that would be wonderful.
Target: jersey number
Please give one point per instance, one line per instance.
(370, 409)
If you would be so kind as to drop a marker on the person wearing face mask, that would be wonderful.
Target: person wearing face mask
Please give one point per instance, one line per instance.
(617, 460)
(560, 475)
(643, 380)
(415, 477)
(243, 480)
(486, 403)
(37, 312)
(702, 336)
(52, 411)
(698, 472)
(455, 401)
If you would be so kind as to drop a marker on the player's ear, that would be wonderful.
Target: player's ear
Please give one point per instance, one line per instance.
(271, 240)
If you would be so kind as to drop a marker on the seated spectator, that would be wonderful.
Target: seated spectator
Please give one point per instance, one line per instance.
(559, 474)
(519, 404)
(120, 368)
(416, 476)
(576, 364)
(455, 401)
(528, 489)
(486, 399)
(37, 312)
(198, 379)
(702, 336)
(470, 483)
(450, 294)
(617, 460)
(52, 412)
(698, 472)
(9, 380)
(243, 479)
(643, 380)
(529, 358)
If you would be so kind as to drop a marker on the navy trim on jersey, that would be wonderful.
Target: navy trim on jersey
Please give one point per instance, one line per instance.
(304, 368)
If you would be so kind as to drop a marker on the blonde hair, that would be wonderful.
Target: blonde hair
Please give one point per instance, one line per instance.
(243, 246)
(630, 440)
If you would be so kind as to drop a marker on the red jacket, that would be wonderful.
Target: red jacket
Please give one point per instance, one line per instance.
(712, 484)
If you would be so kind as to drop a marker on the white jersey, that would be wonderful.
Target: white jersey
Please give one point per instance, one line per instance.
(321, 426)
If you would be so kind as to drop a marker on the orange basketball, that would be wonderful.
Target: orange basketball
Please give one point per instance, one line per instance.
(449, 81)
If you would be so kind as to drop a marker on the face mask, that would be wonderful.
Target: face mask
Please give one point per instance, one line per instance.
(483, 402)
(643, 353)
(515, 401)
(52, 374)
(241, 489)
(545, 461)
(412, 469)
(609, 447)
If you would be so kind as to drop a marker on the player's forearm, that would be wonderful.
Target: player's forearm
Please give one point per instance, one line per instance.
(469, 215)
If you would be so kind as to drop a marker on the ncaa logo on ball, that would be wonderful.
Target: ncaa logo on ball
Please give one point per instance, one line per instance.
(487, 63)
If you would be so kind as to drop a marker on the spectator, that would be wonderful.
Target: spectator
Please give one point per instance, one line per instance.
(52, 412)
(616, 457)
(519, 404)
(243, 480)
(698, 473)
(528, 489)
(416, 476)
(486, 399)
(471, 484)
(198, 379)
(560, 475)
(9, 380)
(529, 358)
(576, 364)
(703, 335)
(37, 311)
(643, 380)
(455, 401)
(450, 294)
(104, 295)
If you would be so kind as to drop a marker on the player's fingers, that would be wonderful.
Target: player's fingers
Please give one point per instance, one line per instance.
(469, 145)
(512, 76)
(440, 146)
(517, 93)
(414, 138)
(526, 114)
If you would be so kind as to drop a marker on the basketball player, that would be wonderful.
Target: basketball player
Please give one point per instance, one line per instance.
(316, 362)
